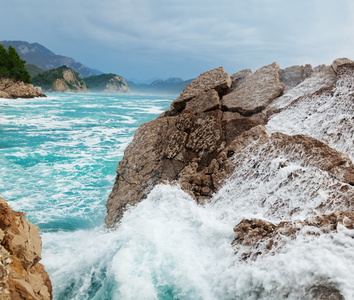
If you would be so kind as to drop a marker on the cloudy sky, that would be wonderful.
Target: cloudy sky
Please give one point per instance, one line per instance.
(162, 38)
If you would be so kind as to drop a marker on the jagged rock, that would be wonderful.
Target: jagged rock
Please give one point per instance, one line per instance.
(11, 88)
(322, 77)
(326, 114)
(199, 144)
(216, 79)
(5, 95)
(21, 274)
(340, 62)
(259, 90)
(205, 101)
(256, 237)
(294, 75)
(240, 77)
(70, 82)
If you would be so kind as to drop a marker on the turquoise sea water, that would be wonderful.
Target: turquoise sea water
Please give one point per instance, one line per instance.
(58, 157)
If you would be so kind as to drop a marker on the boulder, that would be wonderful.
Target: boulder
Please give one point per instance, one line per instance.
(341, 62)
(216, 79)
(21, 274)
(259, 90)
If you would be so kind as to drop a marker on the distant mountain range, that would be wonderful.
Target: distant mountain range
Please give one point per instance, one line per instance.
(170, 86)
(45, 59)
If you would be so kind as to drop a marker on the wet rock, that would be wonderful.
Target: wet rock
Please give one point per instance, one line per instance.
(259, 90)
(322, 77)
(21, 274)
(257, 237)
(294, 75)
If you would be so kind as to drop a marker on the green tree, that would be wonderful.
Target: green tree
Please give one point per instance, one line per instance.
(11, 65)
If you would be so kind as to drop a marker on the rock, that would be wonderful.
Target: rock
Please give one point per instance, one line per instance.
(322, 77)
(340, 62)
(11, 88)
(199, 144)
(294, 75)
(205, 101)
(240, 77)
(259, 90)
(326, 114)
(257, 237)
(21, 274)
(5, 95)
(216, 79)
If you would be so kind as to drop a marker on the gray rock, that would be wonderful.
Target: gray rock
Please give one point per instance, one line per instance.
(216, 79)
(294, 75)
(259, 90)
(240, 77)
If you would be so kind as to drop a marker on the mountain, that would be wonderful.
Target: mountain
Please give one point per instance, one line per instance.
(170, 86)
(62, 79)
(45, 59)
(107, 83)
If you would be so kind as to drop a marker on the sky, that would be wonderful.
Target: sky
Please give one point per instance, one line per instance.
(145, 39)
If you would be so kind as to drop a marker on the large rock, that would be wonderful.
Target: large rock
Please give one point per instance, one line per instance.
(294, 75)
(323, 77)
(255, 237)
(199, 143)
(216, 79)
(11, 88)
(257, 92)
(325, 114)
(21, 274)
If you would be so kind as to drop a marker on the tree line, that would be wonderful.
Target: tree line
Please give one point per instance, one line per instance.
(12, 66)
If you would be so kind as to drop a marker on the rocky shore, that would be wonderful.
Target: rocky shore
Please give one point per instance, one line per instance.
(11, 89)
(289, 133)
(218, 116)
(21, 274)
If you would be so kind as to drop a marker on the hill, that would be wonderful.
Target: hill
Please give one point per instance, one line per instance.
(33, 70)
(107, 83)
(45, 59)
(62, 79)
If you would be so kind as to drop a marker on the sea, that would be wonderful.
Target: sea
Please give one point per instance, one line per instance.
(58, 157)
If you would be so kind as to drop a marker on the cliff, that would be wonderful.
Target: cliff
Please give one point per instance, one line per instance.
(62, 79)
(21, 274)
(107, 83)
(11, 88)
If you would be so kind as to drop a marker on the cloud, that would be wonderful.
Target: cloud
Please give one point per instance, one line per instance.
(186, 37)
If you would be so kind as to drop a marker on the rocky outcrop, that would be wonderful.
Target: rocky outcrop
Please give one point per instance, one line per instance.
(11, 89)
(257, 237)
(62, 79)
(258, 91)
(217, 124)
(107, 83)
(69, 83)
(21, 274)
